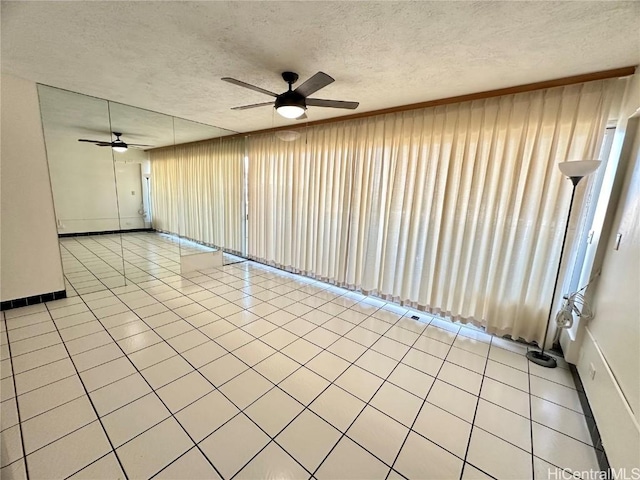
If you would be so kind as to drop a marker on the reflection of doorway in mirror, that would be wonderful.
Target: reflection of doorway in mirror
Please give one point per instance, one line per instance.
(130, 197)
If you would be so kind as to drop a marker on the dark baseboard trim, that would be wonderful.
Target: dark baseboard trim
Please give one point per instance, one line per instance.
(32, 300)
(105, 232)
(603, 461)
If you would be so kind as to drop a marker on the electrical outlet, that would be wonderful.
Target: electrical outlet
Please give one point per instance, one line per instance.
(592, 371)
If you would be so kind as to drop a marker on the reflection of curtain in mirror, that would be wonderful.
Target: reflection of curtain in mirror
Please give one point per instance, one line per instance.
(457, 209)
(197, 191)
(165, 190)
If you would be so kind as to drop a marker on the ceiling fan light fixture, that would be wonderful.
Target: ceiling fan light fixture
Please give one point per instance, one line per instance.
(290, 104)
(290, 111)
(119, 148)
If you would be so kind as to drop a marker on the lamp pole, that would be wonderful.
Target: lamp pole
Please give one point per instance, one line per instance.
(540, 357)
(576, 171)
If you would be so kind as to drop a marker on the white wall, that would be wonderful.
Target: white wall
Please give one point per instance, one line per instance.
(616, 326)
(131, 198)
(609, 359)
(83, 175)
(29, 251)
(84, 189)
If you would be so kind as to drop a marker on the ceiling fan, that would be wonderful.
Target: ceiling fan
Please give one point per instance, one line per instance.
(293, 103)
(117, 145)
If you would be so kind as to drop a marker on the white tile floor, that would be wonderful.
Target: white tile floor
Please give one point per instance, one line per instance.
(249, 372)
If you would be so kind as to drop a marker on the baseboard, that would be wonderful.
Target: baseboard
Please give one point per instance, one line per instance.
(603, 461)
(105, 232)
(32, 300)
(616, 424)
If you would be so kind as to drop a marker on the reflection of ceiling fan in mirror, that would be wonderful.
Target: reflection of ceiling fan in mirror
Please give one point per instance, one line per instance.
(293, 103)
(117, 145)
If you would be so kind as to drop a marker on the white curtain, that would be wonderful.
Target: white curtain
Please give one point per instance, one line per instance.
(458, 210)
(197, 191)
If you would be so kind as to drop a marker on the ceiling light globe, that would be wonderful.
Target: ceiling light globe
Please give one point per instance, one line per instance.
(288, 135)
(119, 149)
(290, 111)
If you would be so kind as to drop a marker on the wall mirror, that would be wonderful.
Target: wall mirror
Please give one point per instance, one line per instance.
(83, 182)
(115, 226)
(147, 256)
(197, 228)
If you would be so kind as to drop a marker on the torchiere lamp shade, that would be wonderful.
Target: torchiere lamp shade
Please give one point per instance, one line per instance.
(579, 168)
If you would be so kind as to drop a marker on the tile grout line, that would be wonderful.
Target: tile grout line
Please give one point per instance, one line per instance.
(129, 309)
(486, 359)
(306, 407)
(100, 280)
(239, 327)
(171, 414)
(299, 336)
(250, 367)
(424, 400)
(92, 404)
(367, 403)
(272, 439)
(475, 413)
(277, 326)
(284, 347)
(65, 275)
(255, 338)
(533, 464)
(15, 392)
(451, 345)
(240, 410)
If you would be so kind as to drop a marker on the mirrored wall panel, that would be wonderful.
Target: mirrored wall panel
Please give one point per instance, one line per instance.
(83, 179)
(120, 220)
(146, 255)
(200, 222)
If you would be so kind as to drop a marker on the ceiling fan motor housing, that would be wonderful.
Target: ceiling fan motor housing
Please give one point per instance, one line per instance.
(290, 98)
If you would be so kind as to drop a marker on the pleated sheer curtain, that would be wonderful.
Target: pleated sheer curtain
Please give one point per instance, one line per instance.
(197, 192)
(458, 210)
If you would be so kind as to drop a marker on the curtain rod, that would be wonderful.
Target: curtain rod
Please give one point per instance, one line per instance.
(529, 87)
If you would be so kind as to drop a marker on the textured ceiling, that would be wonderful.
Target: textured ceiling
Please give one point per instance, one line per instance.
(170, 56)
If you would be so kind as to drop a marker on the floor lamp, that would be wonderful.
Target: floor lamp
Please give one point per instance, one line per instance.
(575, 171)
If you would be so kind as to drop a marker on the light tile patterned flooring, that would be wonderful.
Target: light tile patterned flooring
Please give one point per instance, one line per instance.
(249, 372)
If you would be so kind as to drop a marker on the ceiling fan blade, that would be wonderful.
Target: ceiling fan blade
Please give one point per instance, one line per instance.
(302, 117)
(138, 145)
(318, 102)
(313, 84)
(99, 143)
(240, 83)
(253, 105)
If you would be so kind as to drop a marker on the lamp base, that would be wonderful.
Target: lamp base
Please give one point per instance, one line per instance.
(542, 359)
